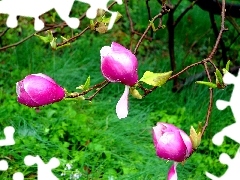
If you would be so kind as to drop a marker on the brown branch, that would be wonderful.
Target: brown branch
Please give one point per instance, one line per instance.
(221, 31)
(129, 17)
(206, 68)
(74, 37)
(132, 31)
(76, 94)
(185, 69)
(98, 90)
(16, 44)
(210, 101)
(222, 44)
(204, 61)
(163, 11)
(4, 32)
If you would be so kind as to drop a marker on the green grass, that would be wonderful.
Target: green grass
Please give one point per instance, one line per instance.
(89, 135)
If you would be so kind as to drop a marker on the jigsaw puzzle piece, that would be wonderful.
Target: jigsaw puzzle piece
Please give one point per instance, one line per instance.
(63, 8)
(233, 167)
(92, 11)
(44, 170)
(231, 131)
(3, 165)
(9, 140)
(18, 176)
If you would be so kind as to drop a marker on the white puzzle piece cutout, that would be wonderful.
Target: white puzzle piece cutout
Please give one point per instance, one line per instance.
(3, 165)
(8, 141)
(35, 8)
(44, 170)
(233, 167)
(232, 131)
(100, 4)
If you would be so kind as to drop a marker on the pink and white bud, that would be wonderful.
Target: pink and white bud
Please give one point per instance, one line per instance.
(38, 90)
(119, 64)
(171, 143)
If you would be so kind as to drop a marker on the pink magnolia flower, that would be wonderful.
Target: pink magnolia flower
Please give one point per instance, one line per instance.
(119, 64)
(171, 143)
(38, 90)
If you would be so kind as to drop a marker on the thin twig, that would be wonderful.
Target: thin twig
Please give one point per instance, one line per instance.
(221, 31)
(74, 37)
(98, 90)
(204, 61)
(185, 69)
(76, 94)
(16, 44)
(4, 32)
(145, 32)
(132, 31)
(210, 101)
(129, 17)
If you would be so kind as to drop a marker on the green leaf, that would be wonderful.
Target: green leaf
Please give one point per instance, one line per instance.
(107, 20)
(219, 79)
(210, 84)
(46, 39)
(86, 84)
(225, 70)
(92, 25)
(53, 43)
(195, 137)
(135, 93)
(152, 25)
(227, 65)
(155, 79)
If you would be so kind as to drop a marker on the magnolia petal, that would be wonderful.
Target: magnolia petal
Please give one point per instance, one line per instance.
(122, 105)
(38, 90)
(168, 142)
(23, 96)
(119, 64)
(171, 143)
(187, 142)
(172, 173)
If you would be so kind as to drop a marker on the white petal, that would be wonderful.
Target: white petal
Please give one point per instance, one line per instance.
(172, 173)
(105, 51)
(122, 105)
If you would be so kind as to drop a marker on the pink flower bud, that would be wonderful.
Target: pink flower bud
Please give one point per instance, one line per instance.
(171, 143)
(38, 90)
(118, 64)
